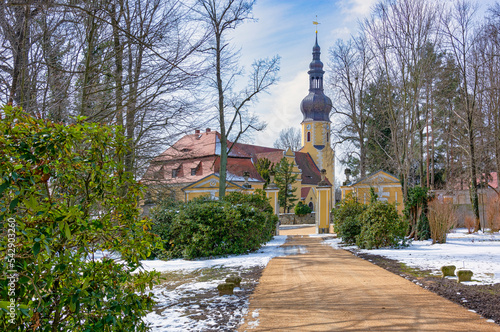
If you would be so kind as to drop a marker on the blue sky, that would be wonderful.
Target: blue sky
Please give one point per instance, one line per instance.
(285, 28)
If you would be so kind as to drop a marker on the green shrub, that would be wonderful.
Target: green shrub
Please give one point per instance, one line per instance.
(162, 218)
(64, 195)
(350, 229)
(302, 210)
(258, 200)
(416, 210)
(346, 220)
(381, 227)
(201, 228)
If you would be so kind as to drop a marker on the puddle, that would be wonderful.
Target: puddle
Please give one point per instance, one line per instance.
(294, 250)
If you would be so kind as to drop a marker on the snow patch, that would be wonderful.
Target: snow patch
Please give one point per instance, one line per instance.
(478, 252)
(196, 306)
(260, 258)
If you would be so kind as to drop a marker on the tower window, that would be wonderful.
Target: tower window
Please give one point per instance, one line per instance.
(308, 136)
(327, 137)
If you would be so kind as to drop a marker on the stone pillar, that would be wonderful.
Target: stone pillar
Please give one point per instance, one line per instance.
(323, 205)
(272, 194)
(247, 188)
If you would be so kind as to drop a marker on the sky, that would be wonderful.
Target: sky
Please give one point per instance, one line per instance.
(285, 28)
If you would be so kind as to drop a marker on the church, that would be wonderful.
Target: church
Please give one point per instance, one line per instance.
(190, 167)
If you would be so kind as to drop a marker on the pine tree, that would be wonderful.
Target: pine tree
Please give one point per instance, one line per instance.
(264, 166)
(284, 179)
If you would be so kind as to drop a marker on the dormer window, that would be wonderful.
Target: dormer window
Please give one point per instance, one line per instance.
(160, 174)
(185, 150)
(175, 172)
(193, 171)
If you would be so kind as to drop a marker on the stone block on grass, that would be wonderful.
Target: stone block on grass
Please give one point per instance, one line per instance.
(236, 280)
(464, 275)
(226, 288)
(448, 270)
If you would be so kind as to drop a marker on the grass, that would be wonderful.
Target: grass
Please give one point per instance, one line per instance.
(173, 279)
(415, 272)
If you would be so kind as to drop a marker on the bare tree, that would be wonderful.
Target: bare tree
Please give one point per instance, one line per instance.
(462, 36)
(289, 138)
(490, 47)
(16, 22)
(350, 69)
(133, 63)
(398, 32)
(222, 16)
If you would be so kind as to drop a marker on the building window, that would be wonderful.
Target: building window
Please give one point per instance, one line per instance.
(308, 136)
(327, 137)
(193, 171)
(174, 173)
(311, 205)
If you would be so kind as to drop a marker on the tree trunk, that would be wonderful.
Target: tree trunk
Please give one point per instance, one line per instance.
(223, 137)
(473, 174)
(20, 52)
(118, 55)
(362, 157)
(91, 28)
(432, 148)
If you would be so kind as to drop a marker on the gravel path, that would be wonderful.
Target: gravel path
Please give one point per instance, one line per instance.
(324, 289)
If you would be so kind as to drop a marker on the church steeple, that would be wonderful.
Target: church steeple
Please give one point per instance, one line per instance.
(316, 105)
(316, 69)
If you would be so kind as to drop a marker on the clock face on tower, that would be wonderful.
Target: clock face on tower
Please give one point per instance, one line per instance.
(308, 126)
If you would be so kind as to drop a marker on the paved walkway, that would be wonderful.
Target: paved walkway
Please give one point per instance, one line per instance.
(332, 290)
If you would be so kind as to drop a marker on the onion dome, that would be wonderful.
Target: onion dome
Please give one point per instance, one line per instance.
(316, 105)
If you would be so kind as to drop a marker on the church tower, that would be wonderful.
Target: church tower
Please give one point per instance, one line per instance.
(316, 107)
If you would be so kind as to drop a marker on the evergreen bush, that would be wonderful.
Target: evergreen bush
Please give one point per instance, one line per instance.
(416, 211)
(381, 226)
(302, 209)
(202, 228)
(65, 196)
(346, 220)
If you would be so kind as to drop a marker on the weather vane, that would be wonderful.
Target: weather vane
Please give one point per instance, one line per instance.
(316, 23)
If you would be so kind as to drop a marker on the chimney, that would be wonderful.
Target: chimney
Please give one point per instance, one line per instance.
(208, 130)
(197, 131)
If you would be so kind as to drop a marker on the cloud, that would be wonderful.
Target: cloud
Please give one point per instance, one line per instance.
(340, 33)
(355, 9)
(281, 108)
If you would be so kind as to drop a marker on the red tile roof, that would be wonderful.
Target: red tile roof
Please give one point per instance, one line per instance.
(236, 167)
(304, 192)
(494, 180)
(310, 172)
(190, 146)
(457, 184)
(202, 151)
(274, 157)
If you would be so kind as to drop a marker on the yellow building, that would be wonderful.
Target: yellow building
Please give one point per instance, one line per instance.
(386, 186)
(190, 167)
(315, 108)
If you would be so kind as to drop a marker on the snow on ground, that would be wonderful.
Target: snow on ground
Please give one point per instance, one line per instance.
(478, 252)
(259, 258)
(191, 303)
